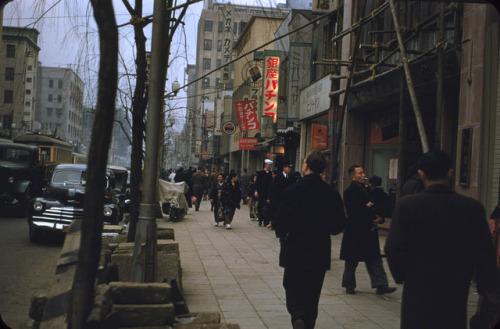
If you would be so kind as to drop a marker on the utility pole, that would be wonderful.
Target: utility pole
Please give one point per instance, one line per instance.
(145, 249)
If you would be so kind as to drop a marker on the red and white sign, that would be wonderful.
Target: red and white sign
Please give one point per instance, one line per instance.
(319, 135)
(248, 143)
(271, 78)
(247, 117)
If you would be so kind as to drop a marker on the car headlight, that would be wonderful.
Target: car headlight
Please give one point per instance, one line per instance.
(11, 179)
(38, 206)
(108, 211)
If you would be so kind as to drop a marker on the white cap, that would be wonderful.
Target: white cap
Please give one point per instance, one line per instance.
(268, 161)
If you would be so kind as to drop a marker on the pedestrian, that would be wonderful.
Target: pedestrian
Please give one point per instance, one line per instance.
(379, 202)
(360, 241)
(231, 197)
(252, 200)
(280, 182)
(205, 190)
(438, 239)
(304, 233)
(212, 181)
(199, 180)
(413, 184)
(215, 196)
(244, 181)
(171, 176)
(262, 186)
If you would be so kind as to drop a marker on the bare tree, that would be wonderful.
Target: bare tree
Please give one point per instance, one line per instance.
(90, 247)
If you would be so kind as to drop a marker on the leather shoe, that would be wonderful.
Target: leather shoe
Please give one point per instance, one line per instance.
(350, 291)
(385, 290)
(299, 324)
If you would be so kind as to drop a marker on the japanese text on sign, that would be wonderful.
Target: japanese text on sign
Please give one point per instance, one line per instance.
(271, 78)
(227, 47)
(247, 117)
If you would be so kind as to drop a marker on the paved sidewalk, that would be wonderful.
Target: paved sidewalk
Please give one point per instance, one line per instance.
(235, 272)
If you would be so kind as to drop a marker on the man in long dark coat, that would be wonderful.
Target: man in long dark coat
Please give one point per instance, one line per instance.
(200, 181)
(438, 239)
(278, 186)
(304, 233)
(360, 241)
(262, 186)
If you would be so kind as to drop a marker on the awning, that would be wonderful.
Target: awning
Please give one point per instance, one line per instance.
(287, 131)
(265, 144)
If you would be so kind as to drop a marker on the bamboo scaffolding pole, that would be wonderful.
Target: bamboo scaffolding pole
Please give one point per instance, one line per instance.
(363, 20)
(409, 82)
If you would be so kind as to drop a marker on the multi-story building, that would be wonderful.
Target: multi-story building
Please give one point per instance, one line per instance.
(59, 109)
(219, 27)
(18, 83)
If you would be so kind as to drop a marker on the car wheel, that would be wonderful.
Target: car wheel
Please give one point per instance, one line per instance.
(35, 234)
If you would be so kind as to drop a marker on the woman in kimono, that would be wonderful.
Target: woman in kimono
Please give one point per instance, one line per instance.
(215, 196)
(231, 197)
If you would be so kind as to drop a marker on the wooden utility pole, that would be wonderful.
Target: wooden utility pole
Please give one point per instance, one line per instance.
(409, 81)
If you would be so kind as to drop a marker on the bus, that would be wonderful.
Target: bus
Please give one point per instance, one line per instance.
(79, 158)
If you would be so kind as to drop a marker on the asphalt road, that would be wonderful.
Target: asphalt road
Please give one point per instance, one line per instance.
(25, 269)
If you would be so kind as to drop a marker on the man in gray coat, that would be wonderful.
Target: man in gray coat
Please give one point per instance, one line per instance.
(438, 240)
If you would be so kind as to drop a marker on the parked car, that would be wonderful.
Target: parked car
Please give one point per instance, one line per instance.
(62, 201)
(20, 176)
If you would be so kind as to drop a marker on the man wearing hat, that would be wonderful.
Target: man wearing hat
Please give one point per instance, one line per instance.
(262, 186)
(278, 186)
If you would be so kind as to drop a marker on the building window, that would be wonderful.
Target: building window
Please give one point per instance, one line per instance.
(30, 67)
(50, 97)
(59, 98)
(8, 95)
(11, 51)
(28, 91)
(29, 80)
(59, 113)
(219, 45)
(51, 83)
(218, 62)
(220, 27)
(28, 104)
(209, 25)
(207, 44)
(49, 111)
(59, 84)
(9, 74)
(206, 63)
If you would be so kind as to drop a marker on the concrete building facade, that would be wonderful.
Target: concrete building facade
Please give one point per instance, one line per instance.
(18, 80)
(59, 110)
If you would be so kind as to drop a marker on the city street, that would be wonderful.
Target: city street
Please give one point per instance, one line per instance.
(235, 272)
(25, 269)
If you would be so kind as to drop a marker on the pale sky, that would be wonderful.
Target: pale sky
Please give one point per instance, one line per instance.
(68, 37)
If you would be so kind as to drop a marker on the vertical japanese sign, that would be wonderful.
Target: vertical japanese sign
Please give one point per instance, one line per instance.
(319, 136)
(227, 46)
(247, 117)
(271, 78)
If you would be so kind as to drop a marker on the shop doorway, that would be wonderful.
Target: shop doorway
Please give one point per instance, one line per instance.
(384, 164)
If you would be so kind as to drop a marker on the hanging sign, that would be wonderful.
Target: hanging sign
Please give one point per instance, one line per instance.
(229, 127)
(247, 117)
(271, 78)
(319, 136)
(227, 46)
(248, 143)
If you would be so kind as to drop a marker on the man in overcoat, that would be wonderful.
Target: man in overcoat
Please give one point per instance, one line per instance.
(438, 239)
(304, 233)
(360, 241)
(278, 186)
(200, 182)
(262, 186)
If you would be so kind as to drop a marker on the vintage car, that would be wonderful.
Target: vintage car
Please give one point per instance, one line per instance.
(20, 176)
(62, 201)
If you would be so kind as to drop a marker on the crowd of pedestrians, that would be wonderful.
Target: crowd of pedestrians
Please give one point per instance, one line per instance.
(439, 242)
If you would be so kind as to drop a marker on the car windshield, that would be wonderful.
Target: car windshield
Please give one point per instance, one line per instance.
(68, 177)
(14, 154)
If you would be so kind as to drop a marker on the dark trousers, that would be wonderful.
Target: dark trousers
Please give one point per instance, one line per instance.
(263, 210)
(198, 193)
(302, 290)
(375, 270)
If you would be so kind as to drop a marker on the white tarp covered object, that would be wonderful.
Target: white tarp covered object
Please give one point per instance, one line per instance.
(173, 193)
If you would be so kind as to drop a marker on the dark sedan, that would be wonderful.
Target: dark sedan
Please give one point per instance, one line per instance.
(62, 201)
